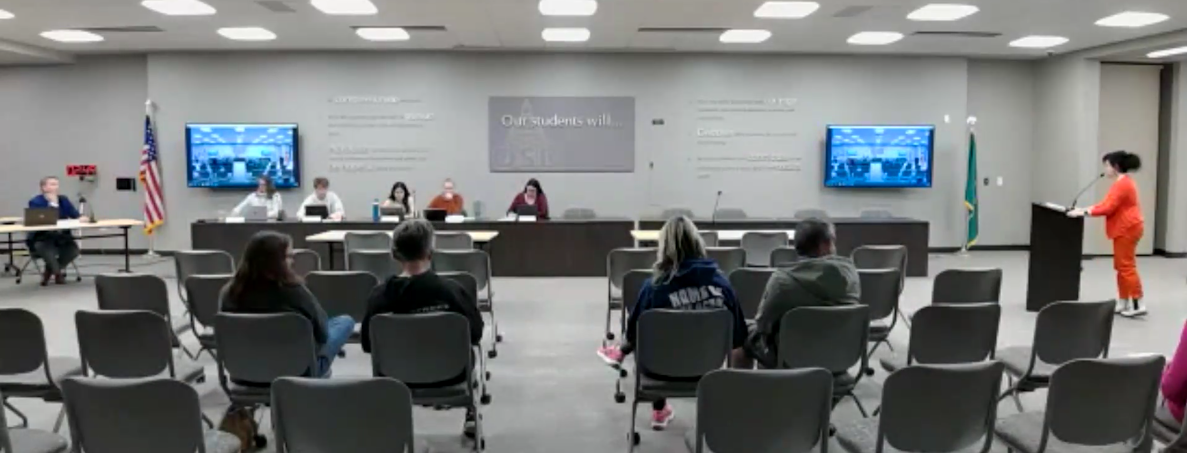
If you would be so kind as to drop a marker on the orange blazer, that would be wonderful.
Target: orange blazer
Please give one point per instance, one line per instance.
(1122, 211)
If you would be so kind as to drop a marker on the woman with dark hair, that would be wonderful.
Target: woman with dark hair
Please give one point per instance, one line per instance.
(265, 195)
(401, 196)
(532, 195)
(1124, 226)
(265, 283)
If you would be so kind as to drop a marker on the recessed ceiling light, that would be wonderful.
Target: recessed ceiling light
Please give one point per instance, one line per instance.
(380, 34)
(1038, 42)
(1132, 19)
(565, 34)
(345, 7)
(71, 36)
(943, 12)
(1167, 52)
(568, 7)
(742, 36)
(247, 33)
(6, 15)
(179, 7)
(786, 10)
(875, 38)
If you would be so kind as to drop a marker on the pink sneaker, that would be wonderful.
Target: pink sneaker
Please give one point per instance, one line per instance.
(612, 355)
(661, 418)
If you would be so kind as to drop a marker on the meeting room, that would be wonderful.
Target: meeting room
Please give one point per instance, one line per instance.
(714, 226)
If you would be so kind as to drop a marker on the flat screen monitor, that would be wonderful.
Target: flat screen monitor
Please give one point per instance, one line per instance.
(229, 155)
(879, 156)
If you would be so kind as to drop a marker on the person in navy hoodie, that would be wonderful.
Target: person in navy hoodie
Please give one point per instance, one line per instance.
(683, 278)
(57, 248)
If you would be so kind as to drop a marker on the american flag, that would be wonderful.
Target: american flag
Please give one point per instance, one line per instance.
(154, 202)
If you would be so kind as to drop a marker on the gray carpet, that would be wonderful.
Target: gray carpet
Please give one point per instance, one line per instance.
(551, 393)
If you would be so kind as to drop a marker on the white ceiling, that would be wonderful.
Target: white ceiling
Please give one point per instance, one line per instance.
(516, 25)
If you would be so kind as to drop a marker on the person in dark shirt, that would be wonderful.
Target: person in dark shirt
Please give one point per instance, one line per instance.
(684, 278)
(420, 290)
(265, 283)
(57, 248)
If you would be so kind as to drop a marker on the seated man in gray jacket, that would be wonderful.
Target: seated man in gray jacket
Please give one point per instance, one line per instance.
(819, 279)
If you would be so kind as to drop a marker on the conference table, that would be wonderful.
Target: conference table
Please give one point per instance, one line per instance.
(124, 225)
(723, 235)
(569, 248)
(334, 238)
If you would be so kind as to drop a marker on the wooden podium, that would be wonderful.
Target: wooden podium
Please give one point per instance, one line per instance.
(1056, 247)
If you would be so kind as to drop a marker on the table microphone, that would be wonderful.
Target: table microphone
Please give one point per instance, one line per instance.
(716, 201)
(1085, 189)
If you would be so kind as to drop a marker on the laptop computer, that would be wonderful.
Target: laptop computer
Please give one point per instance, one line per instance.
(322, 211)
(255, 213)
(526, 210)
(434, 215)
(395, 211)
(41, 216)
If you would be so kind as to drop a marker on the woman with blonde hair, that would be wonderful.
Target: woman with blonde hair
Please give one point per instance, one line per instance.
(683, 278)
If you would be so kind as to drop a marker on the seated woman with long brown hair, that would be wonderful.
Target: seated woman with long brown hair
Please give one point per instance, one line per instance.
(266, 283)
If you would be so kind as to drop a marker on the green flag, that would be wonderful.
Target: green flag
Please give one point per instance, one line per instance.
(970, 193)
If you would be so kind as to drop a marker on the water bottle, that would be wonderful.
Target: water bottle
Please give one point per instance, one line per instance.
(375, 210)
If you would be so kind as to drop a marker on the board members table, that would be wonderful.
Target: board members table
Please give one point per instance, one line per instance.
(722, 235)
(83, 228)
(334, 239)
(553, 248)
(852, 232)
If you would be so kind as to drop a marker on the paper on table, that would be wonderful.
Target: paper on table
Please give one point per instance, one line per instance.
(1055, 206)
(234, 220)
(390, 219)
(311, 219)
(455, 219)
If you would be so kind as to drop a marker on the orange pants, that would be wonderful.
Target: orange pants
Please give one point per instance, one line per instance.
(1129, 284)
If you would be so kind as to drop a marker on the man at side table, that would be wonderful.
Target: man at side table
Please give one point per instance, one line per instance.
(448, 200)
(57, 248)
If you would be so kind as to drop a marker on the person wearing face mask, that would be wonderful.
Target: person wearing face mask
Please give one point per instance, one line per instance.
(57, 248)
(265, 195)
(448, 200)
(1124, 225)
(323, 197)
(532, 195)
(401, 196)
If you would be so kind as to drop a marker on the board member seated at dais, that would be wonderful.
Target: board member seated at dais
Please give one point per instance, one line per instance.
(57, 248)
(532, 195)
(401, 196)
(265, 195)
(448, 200)
(323, 197)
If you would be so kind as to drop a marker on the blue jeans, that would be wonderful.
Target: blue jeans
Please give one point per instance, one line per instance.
(338, 330)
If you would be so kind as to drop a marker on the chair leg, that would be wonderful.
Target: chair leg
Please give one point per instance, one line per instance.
(877, 410)
(208, 421)
(61, 416)
(19, 414)
(608, 335)
(906, 320)
(184, 349)
(860, 407)
(1012, 391)
(632, 436)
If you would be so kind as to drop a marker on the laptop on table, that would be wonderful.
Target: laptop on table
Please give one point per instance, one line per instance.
(255, 213)
(434, 215)
(41, 216)
(322, 211)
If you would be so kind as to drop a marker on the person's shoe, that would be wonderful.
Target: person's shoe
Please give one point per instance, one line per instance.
(661, 418)
(45, 276)
(60, 278)
(1120, 306)
(612, 355)
(1137, 310)
(470, 426)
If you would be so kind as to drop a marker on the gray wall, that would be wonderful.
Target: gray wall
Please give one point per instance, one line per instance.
(98, 106)
(89, 113)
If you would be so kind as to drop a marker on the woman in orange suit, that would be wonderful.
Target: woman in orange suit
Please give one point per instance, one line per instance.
(1123, 225)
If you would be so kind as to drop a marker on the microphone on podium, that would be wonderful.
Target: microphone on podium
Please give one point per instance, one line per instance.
(1085, 189)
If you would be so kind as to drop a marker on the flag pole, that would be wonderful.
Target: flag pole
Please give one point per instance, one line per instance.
(152, 236)
(964, 246)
